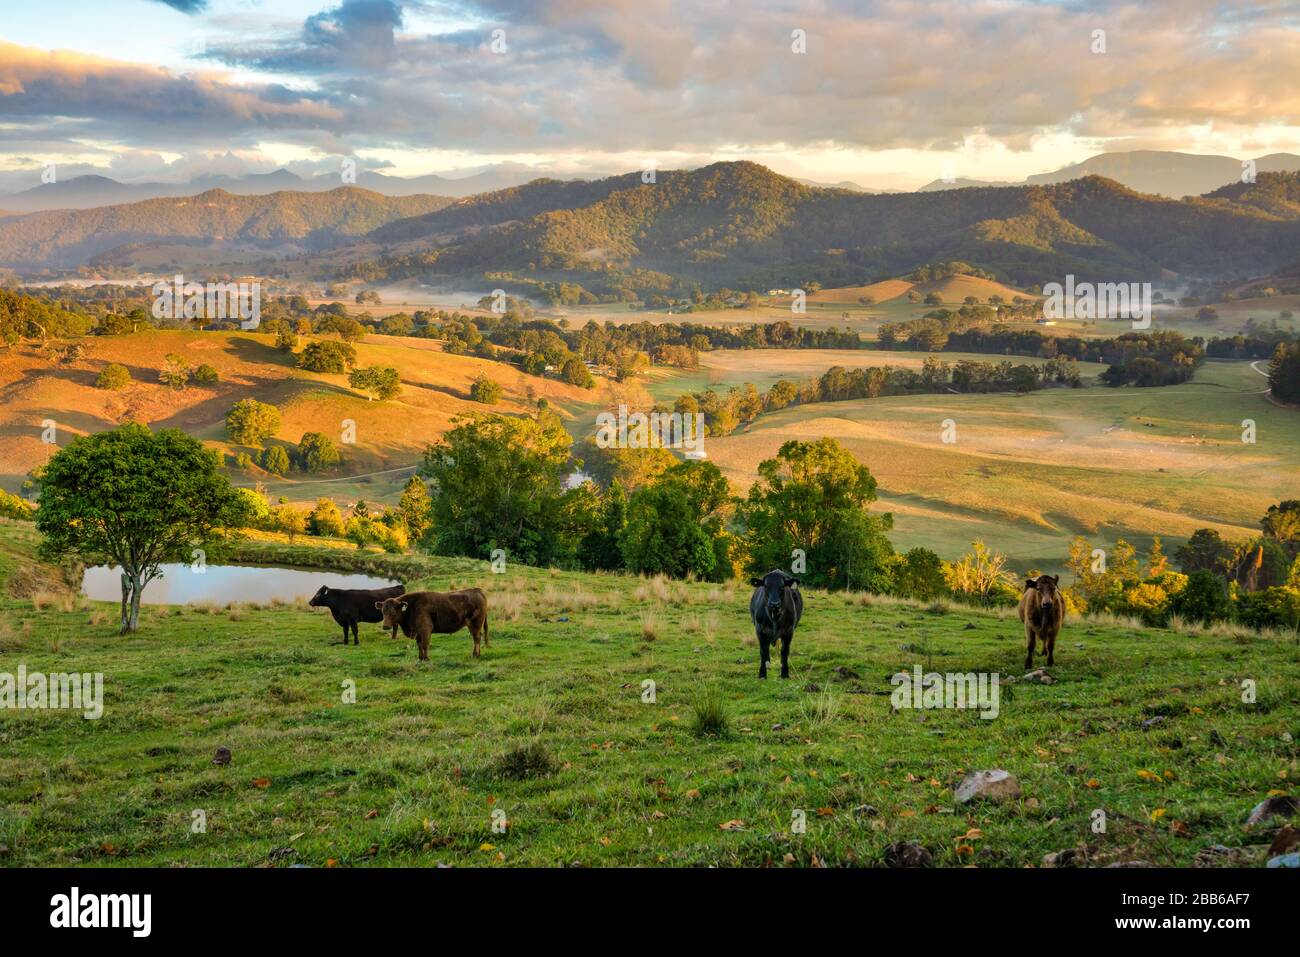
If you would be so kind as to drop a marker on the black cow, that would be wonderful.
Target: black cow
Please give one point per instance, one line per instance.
(776, 607)
(352, 605)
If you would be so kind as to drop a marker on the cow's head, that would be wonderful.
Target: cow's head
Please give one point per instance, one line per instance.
(774, 584)
(394, 610)
(321, 598)
(1045, 588)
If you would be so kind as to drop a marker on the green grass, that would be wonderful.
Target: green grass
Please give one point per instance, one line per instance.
(551, 727)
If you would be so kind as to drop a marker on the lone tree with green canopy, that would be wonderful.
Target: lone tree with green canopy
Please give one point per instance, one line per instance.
(136, 499)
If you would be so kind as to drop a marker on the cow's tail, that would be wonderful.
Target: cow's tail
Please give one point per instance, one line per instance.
(485, 626)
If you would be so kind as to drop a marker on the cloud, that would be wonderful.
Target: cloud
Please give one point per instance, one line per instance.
(691, 77)
(186, 6)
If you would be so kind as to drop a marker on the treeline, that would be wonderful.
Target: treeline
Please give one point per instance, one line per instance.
(1255, 582)
(725, 412)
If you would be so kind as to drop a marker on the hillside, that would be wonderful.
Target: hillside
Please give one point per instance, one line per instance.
(393, 433)
(952, 289)
(742, 225)
(308, 221)
(551, 729)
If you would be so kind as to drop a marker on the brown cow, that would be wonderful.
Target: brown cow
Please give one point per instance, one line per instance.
(422, 613)
(1042, 609)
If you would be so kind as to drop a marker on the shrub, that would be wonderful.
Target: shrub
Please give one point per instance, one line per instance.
(485, 390)
(1276, 607)
(275, 460)
(378, 382)
(325, 519)
(1205, 599)
(206, 375)
(250, 422)
(11, 506)
(113, 376)
(532, 760)
(316, 452)
(327, 356)
(175, 372)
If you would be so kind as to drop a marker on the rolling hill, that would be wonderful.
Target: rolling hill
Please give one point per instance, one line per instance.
(305, 221)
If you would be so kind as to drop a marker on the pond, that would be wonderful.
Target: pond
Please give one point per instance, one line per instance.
(222, 584)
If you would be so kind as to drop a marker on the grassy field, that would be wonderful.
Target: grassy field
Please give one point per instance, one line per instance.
(388, 434)
(721, 369)
(549, 729)
(1029, 472)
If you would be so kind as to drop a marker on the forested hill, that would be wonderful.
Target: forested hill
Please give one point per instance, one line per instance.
(741, 224)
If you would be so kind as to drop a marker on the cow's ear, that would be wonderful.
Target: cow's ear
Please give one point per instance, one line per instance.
(402, 605)
(1030, 583)
(756, 582)
(1056, 579)
(324, 589)
(792, 581)
(379, 605)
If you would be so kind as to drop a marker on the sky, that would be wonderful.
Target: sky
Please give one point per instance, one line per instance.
(890, 95)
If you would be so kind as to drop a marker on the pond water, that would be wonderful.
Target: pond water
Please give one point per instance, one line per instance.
(222, 584)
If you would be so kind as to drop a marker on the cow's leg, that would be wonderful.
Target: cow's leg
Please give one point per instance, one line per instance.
(474, 633)
(1050, 640)
(345, 632)
(423, 641)
(762, 655)
(1029, 652)
(356, 634)
(785, 655)
(485, 629)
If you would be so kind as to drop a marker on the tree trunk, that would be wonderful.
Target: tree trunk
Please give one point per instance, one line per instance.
(132, 586)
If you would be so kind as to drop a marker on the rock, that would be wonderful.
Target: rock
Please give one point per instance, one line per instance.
(865, 810)
(993, 785)
(1220, 855)
(222, 757)
(1067, 858)
(280, 853)
(1150, 723)
(969, 626)
(846, 673)
(1286, 860)
(1216, 739)
(1287, 840)
(1040, 676)
(1130, 864)
(907, 854)
(1283, 805)
(812, 688)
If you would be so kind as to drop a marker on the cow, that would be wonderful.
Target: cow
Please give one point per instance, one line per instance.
(1042, 609)
(423, 613)
(349, 606)
(775, 608)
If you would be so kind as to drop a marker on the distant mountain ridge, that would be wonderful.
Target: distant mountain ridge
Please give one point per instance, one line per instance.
(1158, 172)
(308, 221)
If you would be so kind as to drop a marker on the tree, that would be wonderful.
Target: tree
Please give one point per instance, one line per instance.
(1282, 523)
(600, 548)
(317, 451)
(1284, 372)
(1204, 551)
(289, 520)
(136, 499)
(327, 356)
(325, 519)
(1205, 599)
(485, 390)
(574, 372)
(414, 507)
(175, 371)
(206, 375)
(379, 382)
(286, 340)
(113, 376)
(494, 482)
(275, 460)
(676, 525)
(250, 422)
(814, 496)
(919, 574)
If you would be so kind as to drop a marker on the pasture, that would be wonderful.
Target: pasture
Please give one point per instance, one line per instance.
(1029, 472)
(549, 731)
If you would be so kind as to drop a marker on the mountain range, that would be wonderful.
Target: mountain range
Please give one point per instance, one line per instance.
(736, 223)
(1158, 172)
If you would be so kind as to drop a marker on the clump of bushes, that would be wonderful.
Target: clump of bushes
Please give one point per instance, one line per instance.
(113, 377)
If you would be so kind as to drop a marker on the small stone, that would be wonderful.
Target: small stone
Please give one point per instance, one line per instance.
(992, 785)
(1283, 805)
(1066, 858)
(222, 757)
(1040, 676)
(907, 854)
(865, 810)
(1150, 723)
